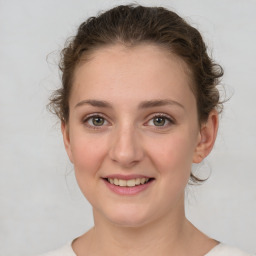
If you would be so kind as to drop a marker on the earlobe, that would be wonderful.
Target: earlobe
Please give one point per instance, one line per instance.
(66, 139)
(208, 133)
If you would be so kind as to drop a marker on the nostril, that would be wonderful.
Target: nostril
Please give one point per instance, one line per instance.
(126, 149)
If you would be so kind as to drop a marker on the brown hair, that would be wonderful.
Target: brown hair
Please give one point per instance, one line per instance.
(131, 25)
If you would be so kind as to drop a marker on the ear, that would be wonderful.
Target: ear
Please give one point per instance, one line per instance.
(66, 139)
(207, 136)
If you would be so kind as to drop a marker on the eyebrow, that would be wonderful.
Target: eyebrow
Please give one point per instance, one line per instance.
(94, 103)
(159, 103)
(142, 105)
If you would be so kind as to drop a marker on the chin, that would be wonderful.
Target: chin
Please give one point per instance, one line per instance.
(128, 222)
(128, 216)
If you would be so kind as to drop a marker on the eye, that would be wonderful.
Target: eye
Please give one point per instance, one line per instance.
(95, 121)
(160, 121)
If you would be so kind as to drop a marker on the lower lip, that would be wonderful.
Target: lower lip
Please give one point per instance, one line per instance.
(128, 190)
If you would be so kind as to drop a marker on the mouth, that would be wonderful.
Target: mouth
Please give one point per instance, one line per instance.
(128, 183)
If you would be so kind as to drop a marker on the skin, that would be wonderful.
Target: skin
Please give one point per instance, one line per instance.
(116, 88)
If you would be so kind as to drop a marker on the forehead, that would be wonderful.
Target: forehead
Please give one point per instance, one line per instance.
(122, 55)
(143, 70)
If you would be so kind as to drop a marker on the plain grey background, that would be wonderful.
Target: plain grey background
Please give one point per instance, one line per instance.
(41, 207)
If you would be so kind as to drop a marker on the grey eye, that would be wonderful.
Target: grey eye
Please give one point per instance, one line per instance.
(159, 121)
(97, 121)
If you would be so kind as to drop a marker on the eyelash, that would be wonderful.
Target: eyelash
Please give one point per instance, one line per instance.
(90, 117)
(167, 118)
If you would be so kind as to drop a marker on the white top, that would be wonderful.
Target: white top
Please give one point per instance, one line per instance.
(219, 250)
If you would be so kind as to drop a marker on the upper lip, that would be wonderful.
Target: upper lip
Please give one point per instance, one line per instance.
(126, 177)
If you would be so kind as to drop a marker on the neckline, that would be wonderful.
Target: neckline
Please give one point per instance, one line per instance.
(216, 247)
(207, 254)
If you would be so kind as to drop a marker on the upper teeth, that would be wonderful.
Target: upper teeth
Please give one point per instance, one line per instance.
(128, 183)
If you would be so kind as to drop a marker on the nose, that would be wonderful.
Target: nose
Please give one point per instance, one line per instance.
(126, 147)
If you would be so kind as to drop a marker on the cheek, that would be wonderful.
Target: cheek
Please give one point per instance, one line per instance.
(173, 154)
(88, 153)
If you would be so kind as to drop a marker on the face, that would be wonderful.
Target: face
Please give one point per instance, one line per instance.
(133, 133)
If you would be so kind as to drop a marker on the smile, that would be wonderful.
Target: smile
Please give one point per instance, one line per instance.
(128, 183)
(128, 186)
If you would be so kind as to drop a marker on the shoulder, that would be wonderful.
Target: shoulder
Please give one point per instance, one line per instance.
(63, 251)
(225, 250)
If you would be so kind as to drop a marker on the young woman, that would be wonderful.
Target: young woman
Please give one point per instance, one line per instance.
(138, 106)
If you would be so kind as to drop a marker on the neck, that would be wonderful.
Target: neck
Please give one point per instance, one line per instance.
(171, 233)
(151, 239)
